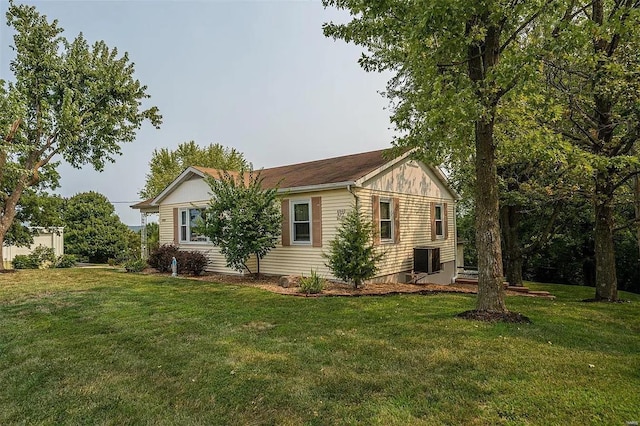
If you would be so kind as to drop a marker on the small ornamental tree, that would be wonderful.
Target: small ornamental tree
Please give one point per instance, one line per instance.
(352, 255)
(242, 218)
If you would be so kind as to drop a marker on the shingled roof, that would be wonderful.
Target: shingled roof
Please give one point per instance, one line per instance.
(345, 169)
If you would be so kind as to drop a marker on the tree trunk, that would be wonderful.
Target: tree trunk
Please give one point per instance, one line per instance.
(2, 251)
(512, 255)
(606, 280)
(636, 204)
(490, 279)
(482, 57)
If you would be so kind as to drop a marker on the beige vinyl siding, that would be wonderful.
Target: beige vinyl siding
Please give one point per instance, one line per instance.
(298, 259)
(415, 229)
(216, 261)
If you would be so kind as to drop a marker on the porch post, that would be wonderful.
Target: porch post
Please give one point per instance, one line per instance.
(143, 236)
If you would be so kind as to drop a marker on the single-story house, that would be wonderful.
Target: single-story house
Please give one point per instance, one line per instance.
(48, 237)
(410, 204)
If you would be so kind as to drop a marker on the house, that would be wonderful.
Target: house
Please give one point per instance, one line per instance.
(47, 237)
(410, 204)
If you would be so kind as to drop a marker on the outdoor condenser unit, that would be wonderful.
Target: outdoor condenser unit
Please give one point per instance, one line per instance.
(426, 259)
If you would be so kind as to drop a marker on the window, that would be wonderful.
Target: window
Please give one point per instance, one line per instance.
(386, 222)
(189, 219)
(439, 223)
(301, 222)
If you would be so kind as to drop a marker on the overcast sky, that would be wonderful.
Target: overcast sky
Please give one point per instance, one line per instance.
(258, 76)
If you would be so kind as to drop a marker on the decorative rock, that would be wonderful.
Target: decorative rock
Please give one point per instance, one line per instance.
(288, 281)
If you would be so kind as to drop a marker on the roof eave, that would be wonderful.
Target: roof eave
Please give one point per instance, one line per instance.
(360, 181)
(315, 188)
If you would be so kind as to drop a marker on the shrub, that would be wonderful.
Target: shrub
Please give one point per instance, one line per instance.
(23, 261)
(112, 262)
(191, 262)
(352, 254)
(135, 265)
(65, 261)
(43, 256)
(312, 284)
(160, 258)
(40, 257)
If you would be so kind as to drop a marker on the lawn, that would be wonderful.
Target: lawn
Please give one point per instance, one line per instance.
(91, 346)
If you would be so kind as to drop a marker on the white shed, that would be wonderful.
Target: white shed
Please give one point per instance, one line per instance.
(48, 237)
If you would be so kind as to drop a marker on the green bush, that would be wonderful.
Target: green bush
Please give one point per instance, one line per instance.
(43, 256)
(135, 265)
(352, 255)
(40, 257)
(112, 262)
(312, 284)
(23, 261)
(65, 261)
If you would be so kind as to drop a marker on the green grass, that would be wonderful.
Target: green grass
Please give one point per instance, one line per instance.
(94, 346)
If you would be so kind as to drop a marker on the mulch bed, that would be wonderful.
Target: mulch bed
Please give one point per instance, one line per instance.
(332, 288)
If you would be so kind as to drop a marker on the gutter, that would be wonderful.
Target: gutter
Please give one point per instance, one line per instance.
(312, 188)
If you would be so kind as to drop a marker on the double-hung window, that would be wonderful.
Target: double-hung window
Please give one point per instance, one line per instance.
(386, 220)
(438, 221)
(301, 221)
(189, 219)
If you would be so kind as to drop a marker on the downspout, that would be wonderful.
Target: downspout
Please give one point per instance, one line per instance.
(455, 241)
(354, 196)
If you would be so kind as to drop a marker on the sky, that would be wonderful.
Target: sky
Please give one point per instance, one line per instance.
(258, 76)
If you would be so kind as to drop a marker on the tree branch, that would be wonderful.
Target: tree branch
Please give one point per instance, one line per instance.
(524, 25)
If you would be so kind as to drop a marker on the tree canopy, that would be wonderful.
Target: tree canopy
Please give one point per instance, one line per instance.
(68, 100)
(93, 230)
(166, 165)
(454, 63)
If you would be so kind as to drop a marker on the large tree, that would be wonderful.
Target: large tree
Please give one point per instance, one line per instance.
(93, 230)
(592, 69)
(454, 63)
(166, 165)
(67, 100)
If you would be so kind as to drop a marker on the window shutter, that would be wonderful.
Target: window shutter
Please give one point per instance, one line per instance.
(433, 220)
(316, 219)
(396, 220)
(286, 229)
(176, 227)
(445, 221)
(375, 200)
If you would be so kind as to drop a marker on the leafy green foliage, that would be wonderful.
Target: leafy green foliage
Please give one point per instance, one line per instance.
(40, 257)
(135, 265)
(66, 261)
(93, 229)
(454, 63)
(66, 100)
(313, 284)
(166, 165)
(352, 256)
(242, 218)
(591, 68)
(24, 261)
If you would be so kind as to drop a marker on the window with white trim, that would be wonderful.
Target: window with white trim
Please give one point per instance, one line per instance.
(386, 220)
(439, 221)
(301, 221)
(188, 220)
